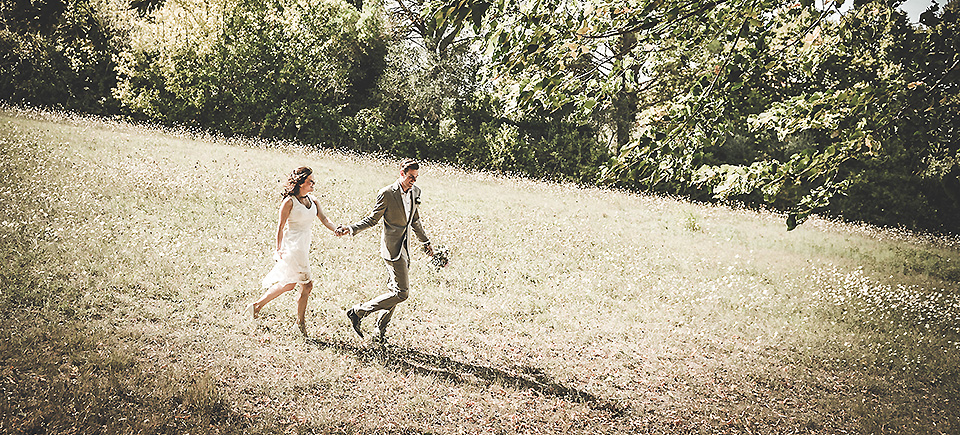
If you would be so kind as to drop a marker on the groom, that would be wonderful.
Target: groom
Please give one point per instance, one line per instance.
(398, 205)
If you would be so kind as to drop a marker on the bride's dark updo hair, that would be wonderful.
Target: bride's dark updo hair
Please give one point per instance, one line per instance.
(295, 180)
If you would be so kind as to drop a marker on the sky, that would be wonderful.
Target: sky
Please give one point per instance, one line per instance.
(914, 8)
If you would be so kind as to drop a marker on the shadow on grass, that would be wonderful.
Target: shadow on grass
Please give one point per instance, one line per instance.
(461, 372)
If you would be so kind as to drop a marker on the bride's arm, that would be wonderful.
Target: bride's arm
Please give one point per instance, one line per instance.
(323, 217)
(285, 208)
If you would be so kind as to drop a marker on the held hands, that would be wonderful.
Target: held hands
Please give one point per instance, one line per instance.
(341, 231)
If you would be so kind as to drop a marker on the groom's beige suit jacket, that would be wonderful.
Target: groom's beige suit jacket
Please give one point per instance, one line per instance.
(396, 222)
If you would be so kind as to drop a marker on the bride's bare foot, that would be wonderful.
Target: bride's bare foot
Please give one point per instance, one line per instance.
(303, 328)
(252, 310)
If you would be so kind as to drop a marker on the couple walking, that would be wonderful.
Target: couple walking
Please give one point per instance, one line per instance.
(397, 204)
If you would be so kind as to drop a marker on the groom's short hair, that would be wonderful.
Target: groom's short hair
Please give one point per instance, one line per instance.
(409, 164)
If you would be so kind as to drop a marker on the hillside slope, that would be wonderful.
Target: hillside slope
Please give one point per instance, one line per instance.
(132, 253)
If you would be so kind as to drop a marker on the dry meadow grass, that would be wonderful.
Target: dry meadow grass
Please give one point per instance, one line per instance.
(129, 254)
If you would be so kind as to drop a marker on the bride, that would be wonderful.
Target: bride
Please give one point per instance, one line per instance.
(297, 210)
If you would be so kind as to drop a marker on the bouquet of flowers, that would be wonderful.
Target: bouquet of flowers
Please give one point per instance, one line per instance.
(441, 257)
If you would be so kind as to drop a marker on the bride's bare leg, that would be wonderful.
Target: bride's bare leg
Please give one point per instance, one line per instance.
(271, 294)
(302, 305)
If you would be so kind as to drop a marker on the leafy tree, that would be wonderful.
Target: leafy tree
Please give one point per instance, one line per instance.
(435, 104)
(437, 26)
(757, 101)
(58, 53)
(875, 123)
(279, 68)
(908, 173)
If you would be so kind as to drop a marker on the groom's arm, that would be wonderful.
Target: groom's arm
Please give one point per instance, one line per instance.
(378, 209)
(418, 228)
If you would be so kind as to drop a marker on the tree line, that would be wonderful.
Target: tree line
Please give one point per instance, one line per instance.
(849, 111)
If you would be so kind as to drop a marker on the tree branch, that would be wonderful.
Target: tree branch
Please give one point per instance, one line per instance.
(414, 19)
(637, 27)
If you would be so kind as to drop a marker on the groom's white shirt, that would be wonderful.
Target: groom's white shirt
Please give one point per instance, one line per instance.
(407, 200)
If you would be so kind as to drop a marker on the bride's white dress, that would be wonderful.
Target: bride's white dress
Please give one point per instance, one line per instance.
(293, 263)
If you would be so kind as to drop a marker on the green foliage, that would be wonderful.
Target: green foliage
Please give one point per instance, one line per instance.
(548, 146)
(58, 53)
(278, 69)
(761, 102)
(815, 98)
(444, 22)
(433, 104)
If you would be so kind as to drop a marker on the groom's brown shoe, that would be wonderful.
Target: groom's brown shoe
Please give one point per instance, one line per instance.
(355, 320)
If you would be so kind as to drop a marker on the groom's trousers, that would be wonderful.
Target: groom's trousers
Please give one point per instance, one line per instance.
(397, 286)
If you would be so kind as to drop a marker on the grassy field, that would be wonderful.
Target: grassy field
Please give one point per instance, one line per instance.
(129, 253)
